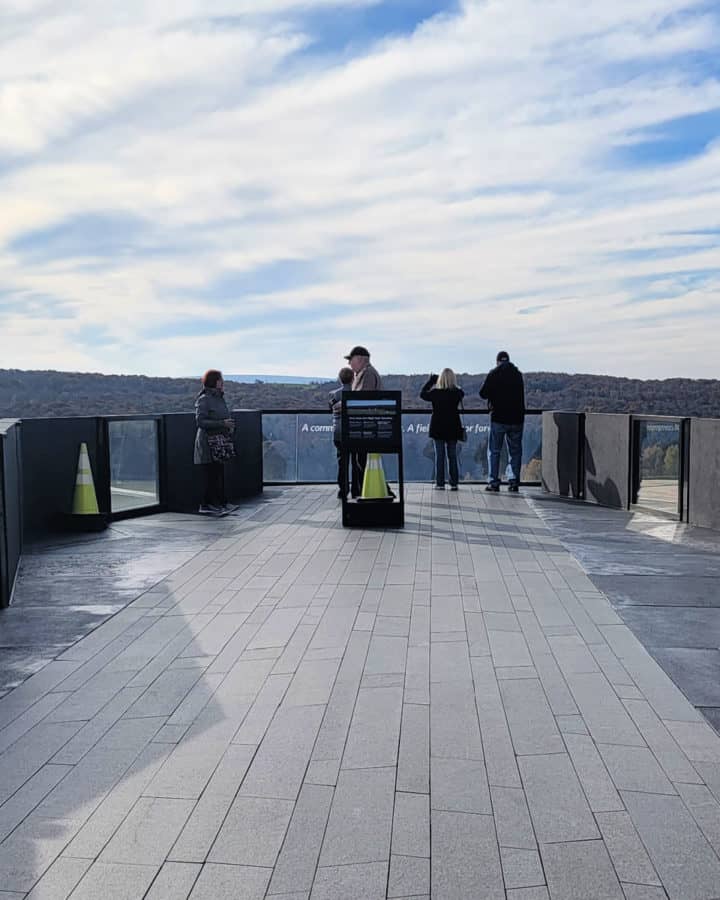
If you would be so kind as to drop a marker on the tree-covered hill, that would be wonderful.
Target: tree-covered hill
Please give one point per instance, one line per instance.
(33, 394)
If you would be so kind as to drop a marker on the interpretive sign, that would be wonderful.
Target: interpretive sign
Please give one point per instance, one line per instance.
(372, 421)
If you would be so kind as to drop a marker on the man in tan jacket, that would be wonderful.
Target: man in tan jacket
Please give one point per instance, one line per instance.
(367, 378)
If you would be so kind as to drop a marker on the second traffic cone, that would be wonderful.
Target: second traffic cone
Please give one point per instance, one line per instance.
(374, 485)
(85, 500)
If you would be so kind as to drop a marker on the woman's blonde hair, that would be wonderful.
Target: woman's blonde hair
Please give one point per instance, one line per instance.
(447, 379)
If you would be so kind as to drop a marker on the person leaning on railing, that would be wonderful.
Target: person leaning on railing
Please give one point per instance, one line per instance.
(446, 427)
(214, 444)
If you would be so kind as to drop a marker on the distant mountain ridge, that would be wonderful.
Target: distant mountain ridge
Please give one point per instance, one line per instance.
(27, 394)
(274, 379)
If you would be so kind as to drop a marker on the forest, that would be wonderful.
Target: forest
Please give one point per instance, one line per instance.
(29, 394)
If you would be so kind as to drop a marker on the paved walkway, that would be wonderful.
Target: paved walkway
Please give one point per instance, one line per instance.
(300, 711)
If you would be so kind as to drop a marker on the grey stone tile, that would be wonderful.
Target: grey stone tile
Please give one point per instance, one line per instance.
(349, 882)
(572, 655)
(31, 753)
(148, 833)
(413, 773)
(411, 825)
(322, 771)
(635, 769)
(625, 848)
(643, 892)
(554, 684)
(499, 753)
(114, 881)
(500, 621)
(375, 729)
(580, 869)
(476, 632)
(174, 881)
(295, 867)
(531, 893)
(205, 821)
(450, 662)
(672, 759)
(222, 882)
(312, 683)
(594, 778)
(108, 816)
(460, 785)
(532, 724)
(685, 862)
(454, 729)
(571, 724)
(252, 832)
(604, 714)
(336, 721)
(360, 823)
(705, 809)
(508, 648)
(512, 818)
(292, 655)
(165, 694)
(22, 803)
(557, 804)
(466, 860)
(417, 675)
(409, 875)
(392, 626)
(386, 654)
(698, 741)
(60, 879)
(279, 766)
(521, 868)
(506, 673)
(187, 769)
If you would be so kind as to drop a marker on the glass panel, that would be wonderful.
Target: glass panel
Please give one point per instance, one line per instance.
(299, 447)
(280, 447)
(659, 466)
(133, 464)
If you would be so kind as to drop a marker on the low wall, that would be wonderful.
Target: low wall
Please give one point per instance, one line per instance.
(562, 453)
(704, 473)
(607, 459)
(10, 507)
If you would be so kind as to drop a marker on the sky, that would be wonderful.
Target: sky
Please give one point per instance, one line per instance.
(259, 185)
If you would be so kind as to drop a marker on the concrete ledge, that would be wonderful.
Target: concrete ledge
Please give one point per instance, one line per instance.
(704, 472)
(562, 447)
(607, 459)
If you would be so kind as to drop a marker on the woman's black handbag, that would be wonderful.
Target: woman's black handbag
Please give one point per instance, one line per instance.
(463, 433)
(222, 447)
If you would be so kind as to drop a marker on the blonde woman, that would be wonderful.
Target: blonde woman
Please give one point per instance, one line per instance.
(445, 424)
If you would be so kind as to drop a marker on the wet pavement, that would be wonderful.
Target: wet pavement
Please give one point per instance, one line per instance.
(662, 577)
(282, 708)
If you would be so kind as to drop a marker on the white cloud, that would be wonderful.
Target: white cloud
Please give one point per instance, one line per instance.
(440, 183)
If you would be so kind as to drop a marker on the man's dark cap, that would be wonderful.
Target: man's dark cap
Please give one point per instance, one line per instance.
(358, 351)
(503, 356)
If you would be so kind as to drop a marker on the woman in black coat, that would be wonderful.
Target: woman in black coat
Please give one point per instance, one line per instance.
(213, 418)
(445, 424)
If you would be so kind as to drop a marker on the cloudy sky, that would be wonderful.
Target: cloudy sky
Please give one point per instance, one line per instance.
(260, 184)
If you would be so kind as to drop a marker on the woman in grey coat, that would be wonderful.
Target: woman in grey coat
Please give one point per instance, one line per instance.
(213, 418)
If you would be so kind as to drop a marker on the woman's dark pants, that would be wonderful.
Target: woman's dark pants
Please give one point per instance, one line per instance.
(214, 484)
(443, 450)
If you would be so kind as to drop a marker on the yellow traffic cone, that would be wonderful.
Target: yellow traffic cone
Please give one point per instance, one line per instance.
(374, 484)
(85, 500)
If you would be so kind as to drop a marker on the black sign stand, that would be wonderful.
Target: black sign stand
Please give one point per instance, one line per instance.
(372, 423)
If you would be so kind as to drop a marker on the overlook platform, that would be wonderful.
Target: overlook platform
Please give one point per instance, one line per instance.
(268, 705)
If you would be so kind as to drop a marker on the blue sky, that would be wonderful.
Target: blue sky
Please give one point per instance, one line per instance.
(215, 184)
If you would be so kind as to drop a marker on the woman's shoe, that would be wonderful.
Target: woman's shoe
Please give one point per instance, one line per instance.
(439, 487)
(493, 488)
(453, 487)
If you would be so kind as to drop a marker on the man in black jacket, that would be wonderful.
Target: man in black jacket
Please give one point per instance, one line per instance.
(504, 391)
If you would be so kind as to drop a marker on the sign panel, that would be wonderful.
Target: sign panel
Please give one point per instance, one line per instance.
(372, 421)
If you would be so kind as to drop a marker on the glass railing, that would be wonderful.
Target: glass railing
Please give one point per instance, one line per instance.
(657, 464)
(134, 453)
(298, 448)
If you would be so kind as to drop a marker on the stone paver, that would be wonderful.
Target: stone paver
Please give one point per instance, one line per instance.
(299, 711)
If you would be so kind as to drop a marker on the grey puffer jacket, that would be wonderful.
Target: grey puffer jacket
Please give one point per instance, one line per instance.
(210, 412)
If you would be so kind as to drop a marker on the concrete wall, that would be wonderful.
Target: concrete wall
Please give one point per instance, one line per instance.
(562, 448)
(607, 459)
(704, 473)
(182, 484)
(10, 507)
